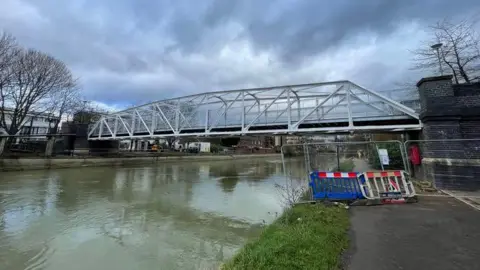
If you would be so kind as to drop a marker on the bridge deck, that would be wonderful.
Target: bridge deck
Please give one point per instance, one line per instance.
(320, 107)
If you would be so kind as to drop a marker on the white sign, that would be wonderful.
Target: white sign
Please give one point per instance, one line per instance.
(383, 155)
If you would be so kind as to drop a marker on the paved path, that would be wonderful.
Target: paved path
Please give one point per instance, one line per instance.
(361, 165)
(436, 233)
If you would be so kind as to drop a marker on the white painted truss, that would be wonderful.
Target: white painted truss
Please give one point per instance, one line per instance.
(329, 107)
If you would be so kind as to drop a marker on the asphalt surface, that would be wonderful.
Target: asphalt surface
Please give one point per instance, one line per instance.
(435, 233)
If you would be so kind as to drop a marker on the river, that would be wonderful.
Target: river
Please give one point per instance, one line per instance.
(188, 215)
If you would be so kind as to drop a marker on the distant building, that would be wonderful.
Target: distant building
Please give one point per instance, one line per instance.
(256, 141)
(321, 139)
(293, 139)
(35, 126)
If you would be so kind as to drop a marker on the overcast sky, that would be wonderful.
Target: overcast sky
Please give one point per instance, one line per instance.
(133, 51)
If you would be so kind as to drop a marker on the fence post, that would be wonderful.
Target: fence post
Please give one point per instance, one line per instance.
(308, 166)
(379, 158)
(3, 140)
(338, 153)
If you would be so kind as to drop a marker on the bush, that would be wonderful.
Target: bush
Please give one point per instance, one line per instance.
(394, 154)
(215, 148)
(292, 151)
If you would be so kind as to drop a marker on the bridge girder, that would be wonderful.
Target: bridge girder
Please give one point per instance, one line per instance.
(326, 107)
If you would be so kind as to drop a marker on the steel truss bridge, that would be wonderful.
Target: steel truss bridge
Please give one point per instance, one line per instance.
(328, 107)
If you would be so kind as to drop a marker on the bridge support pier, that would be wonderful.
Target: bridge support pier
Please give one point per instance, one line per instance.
(278, 141)
(450, 114)
(103, 147)
(145, 145)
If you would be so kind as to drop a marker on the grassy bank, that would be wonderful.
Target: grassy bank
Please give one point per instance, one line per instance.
(304, 237)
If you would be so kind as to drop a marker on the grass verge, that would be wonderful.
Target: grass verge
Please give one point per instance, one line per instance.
(307, 236)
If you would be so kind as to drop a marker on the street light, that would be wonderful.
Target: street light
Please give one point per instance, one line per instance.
(82, 112)
(437, 47)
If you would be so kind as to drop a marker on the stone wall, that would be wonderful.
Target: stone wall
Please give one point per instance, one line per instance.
(450, 114)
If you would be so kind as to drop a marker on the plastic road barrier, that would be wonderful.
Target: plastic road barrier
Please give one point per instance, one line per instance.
(335, 186)
(388, 186)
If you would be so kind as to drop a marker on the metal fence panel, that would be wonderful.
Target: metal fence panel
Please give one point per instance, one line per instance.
(301, 160)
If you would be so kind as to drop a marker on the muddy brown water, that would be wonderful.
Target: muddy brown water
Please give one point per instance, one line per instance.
(188, 215)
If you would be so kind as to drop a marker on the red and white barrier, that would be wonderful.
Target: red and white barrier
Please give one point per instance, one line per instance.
(388, 186)
(337, 175)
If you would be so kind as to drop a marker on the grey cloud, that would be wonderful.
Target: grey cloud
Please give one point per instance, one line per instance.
(308, 28)
(149, 49)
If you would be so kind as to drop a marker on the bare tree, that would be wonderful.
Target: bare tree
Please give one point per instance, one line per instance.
(63, 103)
(87, 112)
(459, 53)
(35, 78)
(9, 50)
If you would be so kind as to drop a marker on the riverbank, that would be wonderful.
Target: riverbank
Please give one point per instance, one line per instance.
(307, 236)
(21, 164)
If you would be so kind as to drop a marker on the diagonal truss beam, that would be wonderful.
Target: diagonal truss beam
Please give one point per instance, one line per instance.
(264, 110)
(289, 104)
(390, 102)
(366, 103)
(95, 126)
(331, 108)
(224, 112)
(108, 127)
(192, 114)
(294, 126)
(130, 132)
(164, 118)
(143, 122)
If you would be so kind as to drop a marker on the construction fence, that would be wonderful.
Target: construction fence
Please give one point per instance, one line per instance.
(304, 163)
(427, 167)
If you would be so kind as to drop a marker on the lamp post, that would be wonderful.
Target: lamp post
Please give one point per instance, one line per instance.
(82, 112)
(437, 47)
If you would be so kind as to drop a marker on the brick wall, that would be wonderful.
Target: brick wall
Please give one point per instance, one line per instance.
(448, 113)
(457, 177)
(466, 89)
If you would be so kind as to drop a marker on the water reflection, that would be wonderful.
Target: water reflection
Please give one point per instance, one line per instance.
(178, 215)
